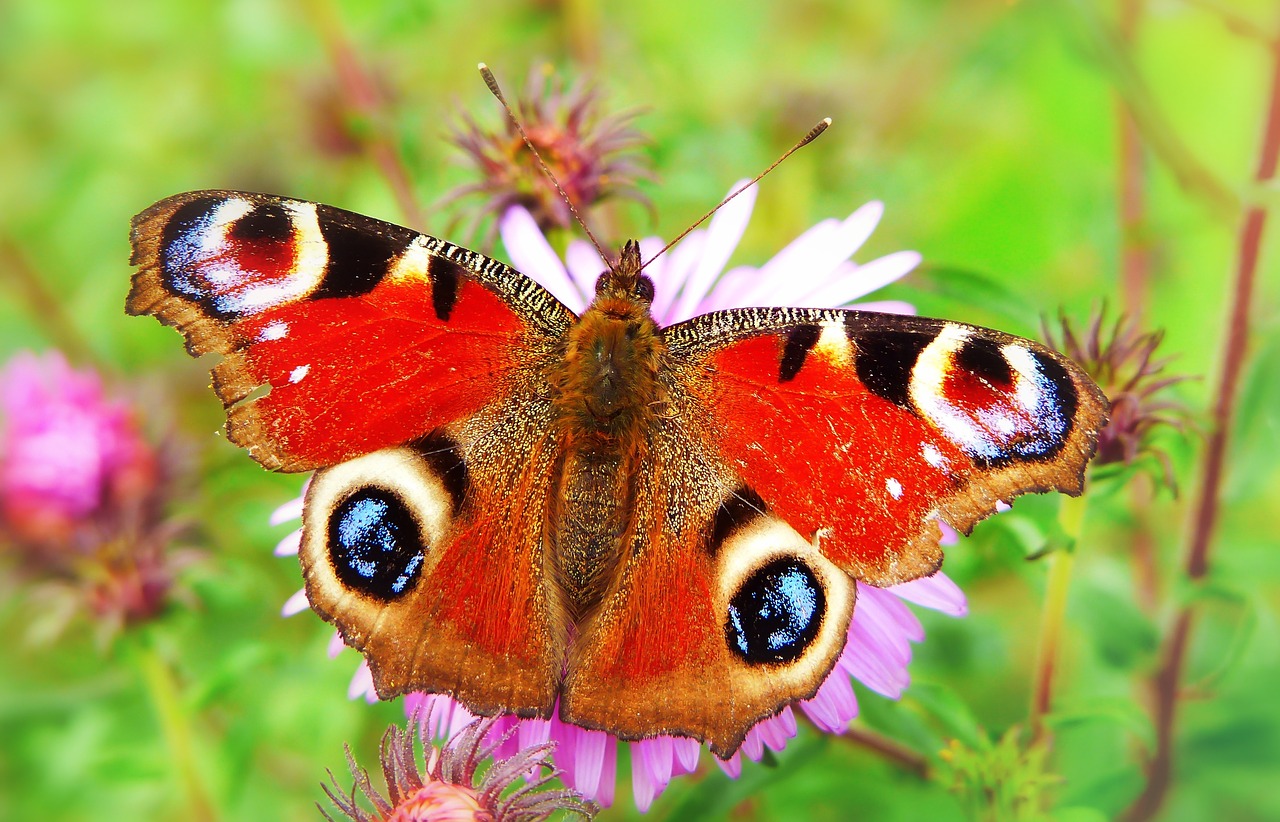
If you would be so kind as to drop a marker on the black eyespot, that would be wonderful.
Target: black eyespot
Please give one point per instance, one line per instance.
(375, 544)
(776, 614)
(644, 289)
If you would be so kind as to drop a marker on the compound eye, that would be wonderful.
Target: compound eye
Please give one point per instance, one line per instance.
(644, 289)
(601, 281)
(776, 613)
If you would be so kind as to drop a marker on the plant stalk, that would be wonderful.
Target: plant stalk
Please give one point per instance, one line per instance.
(1207, 506)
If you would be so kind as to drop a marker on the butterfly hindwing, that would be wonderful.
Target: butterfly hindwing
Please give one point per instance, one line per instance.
(412, 373)
(679, 645)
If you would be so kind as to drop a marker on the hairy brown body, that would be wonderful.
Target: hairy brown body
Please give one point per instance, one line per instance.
(607, 395)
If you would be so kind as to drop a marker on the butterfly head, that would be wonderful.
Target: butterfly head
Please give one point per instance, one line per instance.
(624, 282)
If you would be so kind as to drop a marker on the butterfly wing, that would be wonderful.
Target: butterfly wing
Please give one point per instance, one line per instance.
(868, 427)
(411, 371)
(366, 333)
(804, 449)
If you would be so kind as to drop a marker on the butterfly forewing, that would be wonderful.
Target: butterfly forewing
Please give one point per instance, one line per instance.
(368, 334)
(866, 428)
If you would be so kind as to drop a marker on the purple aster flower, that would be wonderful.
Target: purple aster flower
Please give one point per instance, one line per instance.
(446, 787)
(814, 270)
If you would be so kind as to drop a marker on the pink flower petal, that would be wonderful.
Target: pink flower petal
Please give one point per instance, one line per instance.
(680, 264)
(289, 545)
(533, 732)
(864, 279)
(731, 766)
(776, 730)
(336, 645)
(295, 604)
(686, 752)
(871, 665)
(824, 261)
(834, 706)
(723, 235)
(533, 256)
(291, 510)
(651, 768)
(643, 787)
(937, 592)
(362, 684)
(887, 307)
(794, 270)
(729, 290)
(587, 766)
(585, 267)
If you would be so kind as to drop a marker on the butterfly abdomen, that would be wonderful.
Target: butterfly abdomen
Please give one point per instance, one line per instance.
(606, 398)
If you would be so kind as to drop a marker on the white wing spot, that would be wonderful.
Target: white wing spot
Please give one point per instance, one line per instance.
(932, 455)
(274, 330)
(893, 487)
(298, 373)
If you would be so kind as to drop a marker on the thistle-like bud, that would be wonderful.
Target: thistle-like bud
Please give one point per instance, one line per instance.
(1122, 360)
(591, 154)
(446, 786)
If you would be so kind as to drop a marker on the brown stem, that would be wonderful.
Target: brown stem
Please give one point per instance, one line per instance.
(43, 306)
(1160, 768)
(1207, 503)
(1135, 277)
(361, 96)
(893, 751)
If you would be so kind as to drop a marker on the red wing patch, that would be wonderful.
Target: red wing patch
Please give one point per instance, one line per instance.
(350, 376)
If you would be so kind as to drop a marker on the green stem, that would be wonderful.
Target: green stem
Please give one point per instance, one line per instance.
(1061, 563)
(163, 690)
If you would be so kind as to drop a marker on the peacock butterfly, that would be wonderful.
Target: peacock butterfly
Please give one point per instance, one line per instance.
(657, 529)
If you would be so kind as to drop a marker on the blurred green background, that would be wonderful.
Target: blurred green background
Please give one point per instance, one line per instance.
(993, 132)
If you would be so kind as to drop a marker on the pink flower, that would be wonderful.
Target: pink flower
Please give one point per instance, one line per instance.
(814, 270)
(82, 496)
(66, 451)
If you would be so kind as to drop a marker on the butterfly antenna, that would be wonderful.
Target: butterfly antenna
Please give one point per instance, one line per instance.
(804, 141)
(492, 83)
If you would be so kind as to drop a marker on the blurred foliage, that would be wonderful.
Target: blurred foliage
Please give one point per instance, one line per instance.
(988, 127)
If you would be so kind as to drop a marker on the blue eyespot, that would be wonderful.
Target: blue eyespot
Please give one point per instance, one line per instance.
(776, 614)
(375, 544)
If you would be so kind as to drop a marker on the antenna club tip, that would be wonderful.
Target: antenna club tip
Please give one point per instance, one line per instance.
(826, 121)
(483, 67)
